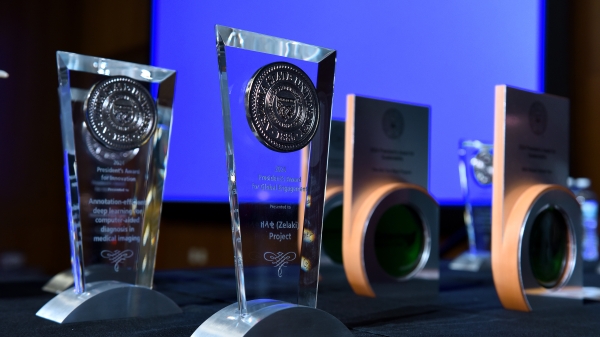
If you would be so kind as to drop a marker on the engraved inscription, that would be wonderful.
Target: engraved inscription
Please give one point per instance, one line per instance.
(282, 107)
(279, 260)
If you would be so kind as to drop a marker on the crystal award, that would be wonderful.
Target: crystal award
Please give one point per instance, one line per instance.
(116, 121)
(391, 222)
(276, 99)
(536, 220)
(475, 169)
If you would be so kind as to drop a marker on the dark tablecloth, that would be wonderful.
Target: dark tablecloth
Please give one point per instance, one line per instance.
(466, 306)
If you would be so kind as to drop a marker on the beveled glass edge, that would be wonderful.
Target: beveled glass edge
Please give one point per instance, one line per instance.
(238, 38)
(94, 64)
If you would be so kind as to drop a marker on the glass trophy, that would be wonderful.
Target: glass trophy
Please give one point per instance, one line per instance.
(536, 219)
(475, 169)
(276, 99)
(333, 210)
(391, 222)
(116, 121)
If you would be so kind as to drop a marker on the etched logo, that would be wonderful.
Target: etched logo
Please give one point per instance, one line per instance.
(393, 123)
(282, 107)
(120, 113)
(280, 260)
(538, 118)
(116, 256)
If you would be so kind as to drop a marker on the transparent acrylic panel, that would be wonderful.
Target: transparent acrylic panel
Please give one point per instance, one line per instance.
(268, 120)
(475, 168)
(116, 120)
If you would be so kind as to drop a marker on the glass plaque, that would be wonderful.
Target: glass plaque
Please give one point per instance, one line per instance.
(475, 169)
(276, 99)
(116, 121)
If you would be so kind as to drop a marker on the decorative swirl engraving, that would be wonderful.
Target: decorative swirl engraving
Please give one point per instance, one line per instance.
(116, 256)
(280, 260)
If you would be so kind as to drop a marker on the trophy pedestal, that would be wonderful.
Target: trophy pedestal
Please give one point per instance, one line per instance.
(473, 262)
(271, 318)
(107, 300)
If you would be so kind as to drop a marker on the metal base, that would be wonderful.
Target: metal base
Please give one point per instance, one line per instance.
(271, 318)
(107, 300)
(474, 262)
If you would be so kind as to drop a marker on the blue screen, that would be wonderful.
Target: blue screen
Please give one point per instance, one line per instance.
(445, 54)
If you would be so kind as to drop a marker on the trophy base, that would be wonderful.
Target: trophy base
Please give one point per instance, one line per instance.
(94, 273)
(107, 300)
(271, 318)
(473, 262)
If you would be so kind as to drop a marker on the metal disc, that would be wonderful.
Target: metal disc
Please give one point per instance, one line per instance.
(282, 107)
(120, 113)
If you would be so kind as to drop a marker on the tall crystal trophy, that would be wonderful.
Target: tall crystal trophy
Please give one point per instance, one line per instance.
(536, 220)
(116, 121)
(276, 99)
(391, 222)
(475, 168)
(334, 197)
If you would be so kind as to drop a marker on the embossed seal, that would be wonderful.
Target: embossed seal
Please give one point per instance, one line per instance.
(282, 107)
(393, 123)
(120, 113)
(538, 118)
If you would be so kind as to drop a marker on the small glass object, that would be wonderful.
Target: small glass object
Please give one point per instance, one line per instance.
(476, 170)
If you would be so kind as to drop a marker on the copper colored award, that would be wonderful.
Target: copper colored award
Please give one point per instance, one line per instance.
(391, 223)
(536, 230)
(333, 209)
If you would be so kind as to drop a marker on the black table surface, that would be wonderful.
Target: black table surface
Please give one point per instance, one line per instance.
(467, 305)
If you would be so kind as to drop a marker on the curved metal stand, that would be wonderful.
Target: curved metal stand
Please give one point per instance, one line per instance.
(107, 300)
(271, 318)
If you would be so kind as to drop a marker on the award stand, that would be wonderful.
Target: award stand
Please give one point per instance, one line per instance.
(276, 127)
(334, 197)
(116, 121)
(391, 223)
(476, 170)
(536, 220)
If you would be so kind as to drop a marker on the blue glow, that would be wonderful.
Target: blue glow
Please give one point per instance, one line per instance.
(446, 54)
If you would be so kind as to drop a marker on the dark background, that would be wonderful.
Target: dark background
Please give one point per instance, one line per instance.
(32, 204)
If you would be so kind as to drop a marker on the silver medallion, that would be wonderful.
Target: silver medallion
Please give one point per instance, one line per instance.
(120, 113)
(282, 107)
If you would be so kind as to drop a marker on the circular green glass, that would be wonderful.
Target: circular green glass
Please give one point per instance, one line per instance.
(399, 240)
(548, 247)
(332, 234)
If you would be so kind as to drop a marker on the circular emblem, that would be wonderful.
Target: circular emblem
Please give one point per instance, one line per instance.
(393, 123)
(483, 168)
(120, 113)
(538, 118)
(282, 107)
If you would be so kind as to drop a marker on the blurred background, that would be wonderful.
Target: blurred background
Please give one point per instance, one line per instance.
(196, 233)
